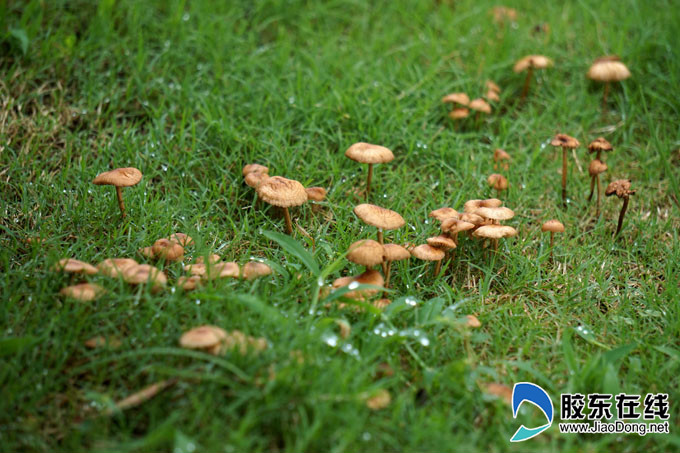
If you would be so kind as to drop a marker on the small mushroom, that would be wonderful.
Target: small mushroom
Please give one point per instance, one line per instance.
(472, 321)
(393, 252)
(223, 269)
(620, 188)
(255, 269)
(491, 86)
(316, 193)
(210, 339)
(501, 159)
(528, 64)
(143, 273)
(594, 169)
(211, 258)
(366, 252)
(284, 193)
(115, 267)
(84, 292)
(189, 283)
(74, 266)
(120, 177)
(495, 232)
(369, 277)
(443, 242)
(255, 178)
(147, 252)
(455, 226)
(255, 168)
(498, 182)
(471, 206)
(367, 153)
(598, 145)
(381, 218)
(496, 214)
(608, 69)
(480, 106)
(444, 213)
(167, 250)
(459, 113)
(565, 142)
(456, 99)
(492, 96)
(182, 239)
(553, 226)
(426, 252)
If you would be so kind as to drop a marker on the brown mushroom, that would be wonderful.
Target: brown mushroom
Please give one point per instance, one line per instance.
(168, 250)
(369, 277)
(366, 252)
(189, 283)
(255, 168)
(74, 266)
(367, 153)
(119, 178)
(381, 218)
(608, 69)
(143, 273)
(501, 159)
(284, 193)
(115, 267)
(498, 182)
(594, 169)
(480, 106)
(456, 99)
(255, 178)
(393, 252)
(528, 64)
(553, 226)
(495, 232)
(255, 269)
(444, 213)
(210, 339)
(316, 193)
(565, 142)
(84, 292)
(426, 252)
(620, 188)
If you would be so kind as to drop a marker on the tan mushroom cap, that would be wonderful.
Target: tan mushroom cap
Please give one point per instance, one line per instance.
(456, 98)
(608, 69)
(498, 182)
(282, 192)
(182, 239)
(366, 252)
(203, 337)
(255, 269)
(84, 292)
(554, 226)
(565, 141)
(316, 193)
(492, 96)
(495, 231)
(212, 259)
(367, 153)
(379, 217)
(189, 283)
(459, 113)
(499, 213)
(395, 252)
(426, 252)
(620, 188)
(115, 267)
(472, 218)
(596, 167)
(600, 144)
(471, 206)
(444, 213)
(120, 177)
(480, 105)
(147, 252)
(491, 86)
(500, 154)
(472, 321)
(255, 178)
(223, 269)
(453, 226)
(441, 242)
(370, 277)
(168, 250)
(532, 61)
(74, 266)
(143, 273)
(255, 168)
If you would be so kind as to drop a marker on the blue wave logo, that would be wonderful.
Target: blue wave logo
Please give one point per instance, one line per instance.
(534, 394)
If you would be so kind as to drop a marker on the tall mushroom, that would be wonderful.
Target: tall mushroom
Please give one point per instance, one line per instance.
(495, 232)
(528, 64)
(608, 69)
(119, 178)
(553, 226)
(498, 182)
(284, 193)
(620, 188)
(565, 142)
(393, 252)
(480, 106)
(381, 218)
(366, 252)
(367, 153)
(426, 252)
(460, 101)
(594, 169)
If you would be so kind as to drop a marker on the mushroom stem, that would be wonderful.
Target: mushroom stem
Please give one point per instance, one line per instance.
(121, 205)
(599, 195)
(604, 97)
(388, 272)
(527, 81)
(381, 240)
(289, 224)
(592, 188)
(621, 216)
(552, 242)
(564, 176)
(437, 267)
(368, 180)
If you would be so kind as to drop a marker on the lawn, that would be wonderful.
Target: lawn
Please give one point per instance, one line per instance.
(190, 92)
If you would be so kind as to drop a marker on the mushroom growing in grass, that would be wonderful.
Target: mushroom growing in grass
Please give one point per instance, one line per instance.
(115, 267)
(119, 178)
(444, 213)
(284, 193)
(553, 226)
(455, 226)
(492, 91)
(167, 250)
(381, 218)
(445, 243)
(460, 101)
(496, 214)
(498, 182)
(84, 292)
(143, 273)
(620, 188)
(594, 169)
(495, 232)
(255, 269)
(501, 159)
(393, 252)
(369, 277)
(316, 193)
(367, 153)
(565, 142)
(528, 64)
(608, 69)
(210, 339)
(74, 266)
(480, 106)
(426, 252)
(366, 252)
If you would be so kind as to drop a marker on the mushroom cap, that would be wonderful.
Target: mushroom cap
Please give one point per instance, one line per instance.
(453, 226)
(382, 303)
(532, 61)
(500, 154)
(596, 167)
(472, 218)
(480, 105)
(202, 337)
(255, 269)
(255, 178)
(212, 259)
(491, 86)
(379, 217)
(74, 266)
(316, 193)
(188, 283)
(142, 273)
(472, 321)
(366, 252)
(367, 153)
(84, 292)
(168, 250)
(456, 98)
(426, 252)
(182, 239)
(498, 182)
(459, 113)
(600, 144)
(282, 192)
(565, 141)
(495, 231)
(471, 206)
(115, 267)
(492, 96)
(395, 252)
(620, 188)
(223, 269)
(441, 242)
(608, 69)
(554, 226)
(444, 213)
(257, 168)
(499, 213)
(370, 277)
(120, 177)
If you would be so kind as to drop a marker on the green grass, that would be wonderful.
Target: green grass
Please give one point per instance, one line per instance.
(189, 92)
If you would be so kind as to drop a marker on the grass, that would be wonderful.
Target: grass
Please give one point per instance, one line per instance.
(189, 92)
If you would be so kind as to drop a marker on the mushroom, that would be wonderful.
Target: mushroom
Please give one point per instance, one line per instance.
(565, 142)
(210, 339)
(367, 153)
(471, 206)
(211, 258)
(369, 277)
(84, 292)
(393, 252)
(147, 252)
(426, 252)
(366, 252)
(472, 321)
(223, 269)
(495, 232)
(255, 168)
(284, 193)
(115, 267)
(528, 64)
(594, 169)
(479, 105)
(255, 269)
(492, 96)
(553, 226)
(167, 250)
(598, 145)
(620, 188)
(501, 159)
(456, 99)
(120, 177)
(443, 242)
(74, 266)
(444, 213)
(498, 182)
(143, 273)
(455, 226)
(459, 113)
(608, 69)
(188, 283)
(316, 193)
(255, 178)
(381, 218)
(496, 214)
(491, 86)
